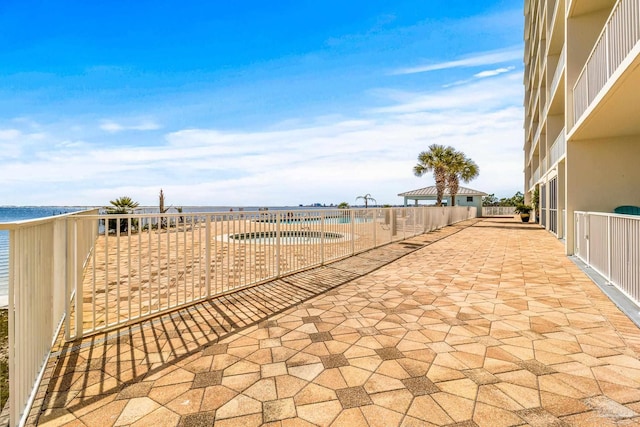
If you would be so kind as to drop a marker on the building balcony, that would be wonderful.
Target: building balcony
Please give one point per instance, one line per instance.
(605, 93)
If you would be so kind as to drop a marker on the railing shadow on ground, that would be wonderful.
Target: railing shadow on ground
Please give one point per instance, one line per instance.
(96, 370)
(81, 376)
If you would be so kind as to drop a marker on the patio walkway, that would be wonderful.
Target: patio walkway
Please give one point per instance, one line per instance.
(483, 323)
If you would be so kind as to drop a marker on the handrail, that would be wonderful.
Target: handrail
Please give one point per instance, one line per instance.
(100, 272)
(619, 35)
(608, 243)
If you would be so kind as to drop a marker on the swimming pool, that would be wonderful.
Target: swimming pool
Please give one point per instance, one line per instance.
(287, 237)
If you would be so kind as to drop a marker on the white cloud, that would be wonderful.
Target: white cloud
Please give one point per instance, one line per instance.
(478, 59)
(491, 73)
(113, 127)
(328, 159)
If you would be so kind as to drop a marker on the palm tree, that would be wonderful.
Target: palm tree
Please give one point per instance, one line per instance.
(366, 199)
(460, 168)
(121, 206)
(436, 159)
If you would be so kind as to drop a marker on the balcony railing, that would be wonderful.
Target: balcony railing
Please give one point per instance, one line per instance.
(40, 262)
(610, 244)
(488, 211)
(557, 149)
(100, 272)
(557, 74)
(619, 35)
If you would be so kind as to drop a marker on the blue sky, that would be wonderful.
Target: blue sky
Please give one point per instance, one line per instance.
(252, 102)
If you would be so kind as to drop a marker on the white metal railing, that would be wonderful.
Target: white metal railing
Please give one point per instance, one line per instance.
(149, 264)
(498, 211)
(534, 145)
(39, 264)
(610, 244)
(558, 73)
(97, 272)
(543, 166)
(536, 175)
(619, 35)
(557, 149)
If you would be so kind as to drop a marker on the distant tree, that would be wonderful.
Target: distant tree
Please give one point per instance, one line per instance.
(122, 206)
(437, 160)
(490, 200)
(515, 200)
(366, 199)
(343, 205)
(460, 168)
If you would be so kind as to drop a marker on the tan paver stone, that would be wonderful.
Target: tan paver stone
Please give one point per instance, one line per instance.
(262, 356)
(350, 417)
(263, 390)
(306, 372)
(239, 406)
(105, 415)
(561, 405)
(463, 388)
(322, 413)
(368, 363)
(379, 383)
(377, 416)
(458, 408)
(354, 376)
(240, 382)
(288, 386)
(440, 373)
(165, 394)
(589, 419)
(58, 416)
(136, 409)
(175, 377)
(273, 369)
(486, 415)
(314, 393)
(427, 409)
(620, 393)
(494, 396)
(331, 378)
(244, 421)
(393, 369)
(216, 396)
(396, 400)
(276, 410)
(525, 396)
(187, 403)
(160, 417)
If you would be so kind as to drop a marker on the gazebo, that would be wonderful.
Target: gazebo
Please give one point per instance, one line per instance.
(465, 197)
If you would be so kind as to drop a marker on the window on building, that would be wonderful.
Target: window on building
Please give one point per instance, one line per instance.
(469, 198)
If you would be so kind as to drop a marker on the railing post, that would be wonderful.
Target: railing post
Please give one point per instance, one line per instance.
(67, 279)
(587, 229)
(353, 229)
(207, 254)
(322, 240)
(77, 287)
(277, 244)
(374, 214)
(14, 405)
(609, 248)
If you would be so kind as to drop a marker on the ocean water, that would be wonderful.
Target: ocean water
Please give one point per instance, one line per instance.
(18, 213)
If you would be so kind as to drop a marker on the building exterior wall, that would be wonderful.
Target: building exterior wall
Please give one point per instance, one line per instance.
(582, 59)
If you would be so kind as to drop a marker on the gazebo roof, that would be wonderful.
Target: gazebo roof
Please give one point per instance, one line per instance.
(431, 191)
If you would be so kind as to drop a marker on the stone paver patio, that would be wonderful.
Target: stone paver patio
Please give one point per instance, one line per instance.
(484, 323)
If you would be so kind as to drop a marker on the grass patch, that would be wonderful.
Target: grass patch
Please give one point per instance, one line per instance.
(4, 357)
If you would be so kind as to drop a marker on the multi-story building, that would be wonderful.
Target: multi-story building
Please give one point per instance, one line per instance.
(582, 108)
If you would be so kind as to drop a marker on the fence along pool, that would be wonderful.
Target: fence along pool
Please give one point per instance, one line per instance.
(149, 264)
(93, 273)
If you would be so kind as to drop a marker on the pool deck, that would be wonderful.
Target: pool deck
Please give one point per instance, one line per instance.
(484, 323)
